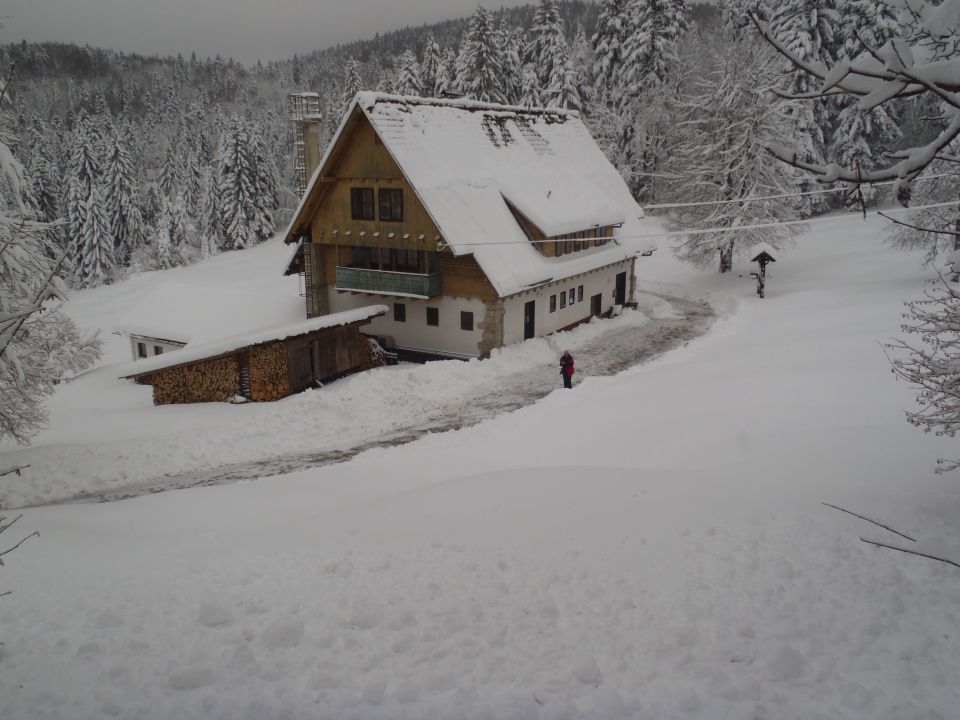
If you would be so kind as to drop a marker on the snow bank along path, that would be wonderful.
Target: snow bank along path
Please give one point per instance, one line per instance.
(649, 545)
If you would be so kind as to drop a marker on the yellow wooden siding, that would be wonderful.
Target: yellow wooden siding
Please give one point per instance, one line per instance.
(364, 163)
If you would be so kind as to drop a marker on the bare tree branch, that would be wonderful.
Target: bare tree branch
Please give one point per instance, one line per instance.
(910, 552)
(870, 520)
(917, 227)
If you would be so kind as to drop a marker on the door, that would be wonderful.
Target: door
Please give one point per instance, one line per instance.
(620, 296)
(529, 319)
(595, 304)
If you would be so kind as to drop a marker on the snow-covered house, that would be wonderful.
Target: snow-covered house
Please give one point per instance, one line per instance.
(479, 225)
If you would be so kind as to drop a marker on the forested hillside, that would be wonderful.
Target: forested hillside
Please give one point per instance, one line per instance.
(150, 162)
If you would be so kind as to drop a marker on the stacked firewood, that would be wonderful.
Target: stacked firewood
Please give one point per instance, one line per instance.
(208, 381)
(371, 353)
(269, 377)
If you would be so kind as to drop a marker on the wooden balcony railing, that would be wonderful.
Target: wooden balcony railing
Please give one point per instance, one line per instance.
(389, 283)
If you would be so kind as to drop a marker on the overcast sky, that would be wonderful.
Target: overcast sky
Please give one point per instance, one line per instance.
(243, 29)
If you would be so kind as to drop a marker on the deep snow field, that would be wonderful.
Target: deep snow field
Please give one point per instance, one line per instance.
(648, 545)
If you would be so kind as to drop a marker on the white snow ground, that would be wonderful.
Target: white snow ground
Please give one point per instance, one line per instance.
(650, 545)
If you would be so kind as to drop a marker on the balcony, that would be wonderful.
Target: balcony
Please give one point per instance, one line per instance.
(385, 282)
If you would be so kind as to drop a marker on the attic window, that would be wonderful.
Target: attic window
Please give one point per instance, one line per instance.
(391, 204)
(361, 203)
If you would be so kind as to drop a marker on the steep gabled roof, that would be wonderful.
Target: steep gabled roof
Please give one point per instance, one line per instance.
(468, 162)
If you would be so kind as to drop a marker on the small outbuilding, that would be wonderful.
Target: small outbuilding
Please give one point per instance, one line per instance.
(266, 364)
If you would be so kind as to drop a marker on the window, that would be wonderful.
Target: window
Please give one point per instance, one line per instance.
(399, 312)
(408, 261)
(573, 296)
(466, 321)
(361, 203)
(141, 350)
(359, 257)
(433, 316)
(553, 303)
(580, 293)
(157, 350)
(391, 204)
(563, 299)
(559, 248)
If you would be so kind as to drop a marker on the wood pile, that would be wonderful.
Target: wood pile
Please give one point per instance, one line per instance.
(269, 375)
(207, 381)
(371, 354)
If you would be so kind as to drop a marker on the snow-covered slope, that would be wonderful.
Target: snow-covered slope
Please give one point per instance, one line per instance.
(650, 545)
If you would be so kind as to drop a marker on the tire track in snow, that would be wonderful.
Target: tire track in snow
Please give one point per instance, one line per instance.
(613, 352)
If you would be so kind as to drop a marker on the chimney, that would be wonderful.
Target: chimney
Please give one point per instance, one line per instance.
(305, 113)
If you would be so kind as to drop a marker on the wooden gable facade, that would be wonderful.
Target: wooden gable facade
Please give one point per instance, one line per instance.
(335, 240)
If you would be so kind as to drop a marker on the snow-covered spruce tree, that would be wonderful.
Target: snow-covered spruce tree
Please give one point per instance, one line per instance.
(83, 175)
(529, 88)
(581, 56)
(914, 67)
(94, 256)
(38, 345)
(247, 195)
(209, 217)
(727, 116)
(430, 68)
(632, 127)
(861, 139)
(510, 39)
(171, 175)
(123, 215)
(165, 255)
(480, 62)
(352, 82)
(810, 30)
(608, 41)
(548, 51)
(409, 81)
(649, 49)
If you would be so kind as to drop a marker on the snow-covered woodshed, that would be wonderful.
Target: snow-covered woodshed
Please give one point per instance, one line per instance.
(264, 364)
(481, 225)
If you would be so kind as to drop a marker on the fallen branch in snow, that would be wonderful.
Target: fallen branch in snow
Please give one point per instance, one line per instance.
(870, 520)
(910, 552)
(17, 469)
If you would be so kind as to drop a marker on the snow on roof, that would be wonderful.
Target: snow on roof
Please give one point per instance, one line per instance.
(185, 313)
(762, 247)
(469, 161)
(202, 351)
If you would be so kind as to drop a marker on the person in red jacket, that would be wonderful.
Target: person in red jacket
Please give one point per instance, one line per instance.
(566, 368)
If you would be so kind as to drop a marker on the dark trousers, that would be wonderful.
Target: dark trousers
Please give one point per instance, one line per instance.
(567, 381)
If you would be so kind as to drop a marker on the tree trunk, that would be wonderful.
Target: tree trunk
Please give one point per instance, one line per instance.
(726, 257)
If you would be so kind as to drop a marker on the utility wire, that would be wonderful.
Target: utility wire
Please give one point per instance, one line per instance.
(706, 231)
(667, 206)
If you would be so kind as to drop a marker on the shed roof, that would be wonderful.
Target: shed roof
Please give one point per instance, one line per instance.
(185, 313)
(195, 352)
(468, 162)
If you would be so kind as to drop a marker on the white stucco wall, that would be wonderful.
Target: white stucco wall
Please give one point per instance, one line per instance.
(446, 338)
(152, 344)
(602, 282)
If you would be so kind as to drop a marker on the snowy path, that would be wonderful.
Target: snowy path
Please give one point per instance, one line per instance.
(611, 353)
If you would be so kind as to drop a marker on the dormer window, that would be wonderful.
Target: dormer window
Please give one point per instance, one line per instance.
(361, 203)
(391, 204)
